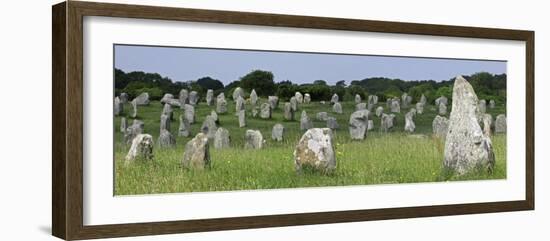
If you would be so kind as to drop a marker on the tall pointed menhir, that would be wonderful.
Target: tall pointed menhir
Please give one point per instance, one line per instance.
(467, 148)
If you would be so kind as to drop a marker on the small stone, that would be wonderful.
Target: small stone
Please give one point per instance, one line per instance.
(305, 121)
(141, 149)
(273, 101)
(334, 99)
(164, 122)
(166, 98)
(337, 108)
(315, 150)
(210, 97)
(482, 105)
(500, 124)
(332, 123)
(197, 153)
(166, 139)
(221, 138)
(142, 99)
(409, 122)
(265, 111)
(395, 107)
(193, 98)
(439, 126)
(288, 112)
(132, 131)
(420, 107)
(361, 106)
(492, 104)
(209, 127)
(242, 118)
(123, 124)
(134, 107)
(386, 122)
(124, 98)
(357, 99)
(183, 97)
(277, 132)
(487, 123)
(189, 112)
(299, 97)
(370, 125)
(358, 123)
(184, 128)
(322, 116)
(238, 92)
(253, 139)
(294, 103)
(442, 109)
(307, 98)
(239, 104)
(441, 100)
(379, 111)
(119, 106)
(221, 104)
(253, 97)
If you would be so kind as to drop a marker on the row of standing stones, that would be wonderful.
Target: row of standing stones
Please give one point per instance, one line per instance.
(466, 133)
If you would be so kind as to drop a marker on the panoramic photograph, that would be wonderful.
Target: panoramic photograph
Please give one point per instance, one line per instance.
(192, 119)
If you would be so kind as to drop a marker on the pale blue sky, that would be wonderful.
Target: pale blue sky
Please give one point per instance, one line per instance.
(183, 64)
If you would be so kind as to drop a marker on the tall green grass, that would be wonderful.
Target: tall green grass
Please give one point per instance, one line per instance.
(395, 157)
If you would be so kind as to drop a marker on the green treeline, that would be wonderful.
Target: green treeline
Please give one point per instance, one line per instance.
(486, 85)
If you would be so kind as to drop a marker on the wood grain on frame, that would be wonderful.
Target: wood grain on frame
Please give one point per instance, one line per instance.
(67, 121)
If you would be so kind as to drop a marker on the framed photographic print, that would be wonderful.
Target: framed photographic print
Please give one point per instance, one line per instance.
(171, 120)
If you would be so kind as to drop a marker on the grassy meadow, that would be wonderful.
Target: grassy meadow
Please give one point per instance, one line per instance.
(393, 157)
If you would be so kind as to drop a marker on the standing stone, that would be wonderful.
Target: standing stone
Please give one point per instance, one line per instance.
(487, 123)
(379, 111)
(409, 122)
(358, 123)
(337, 108)
(305, 121)
(242, 118)
(332, 123)
(315, 150)
(123, 124)
(420, 107)
(466, 147)
(440, 126)
(482, 105)
(370, 107)
(370, 99)
(210, 97)
(238, 92)
(277, 132)
(142, 99)
(386, 122)
(183, 97)
(174, 102)
(370, 125)
(273, 101)
(265, 111)
(357, 99)
(166, 139)
(166, 98)
(119, 107)
(189, 112)
(395, 107)
(193, 98)
(500, 124)
(334, 99)
(133, 131)
(322, 116)
(492, 104)
(197, 153)
(423, 100)
(404, 101)
(141, 149)
(164, 122)
(253, 97)
(299, 97)
(214, 116)
(221, 104)
(307, 98)
(255, 111)
(221, 138)
(209, 127)
(288, 112)
(184, 128)
(253, 139)
(361, 106)
(124, 98)
(441, 100)
(294, 103)
(134, 107)
(167, 110)
(239, 104)
(375, 99)
(442, 109)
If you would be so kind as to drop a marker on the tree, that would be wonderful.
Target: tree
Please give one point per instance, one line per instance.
(210, 83)
(320, 82)
(259, 80)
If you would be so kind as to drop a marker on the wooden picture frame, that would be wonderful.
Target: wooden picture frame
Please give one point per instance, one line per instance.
(67, 123)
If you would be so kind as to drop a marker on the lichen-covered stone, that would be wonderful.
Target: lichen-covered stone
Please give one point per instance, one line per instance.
(315, 150)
